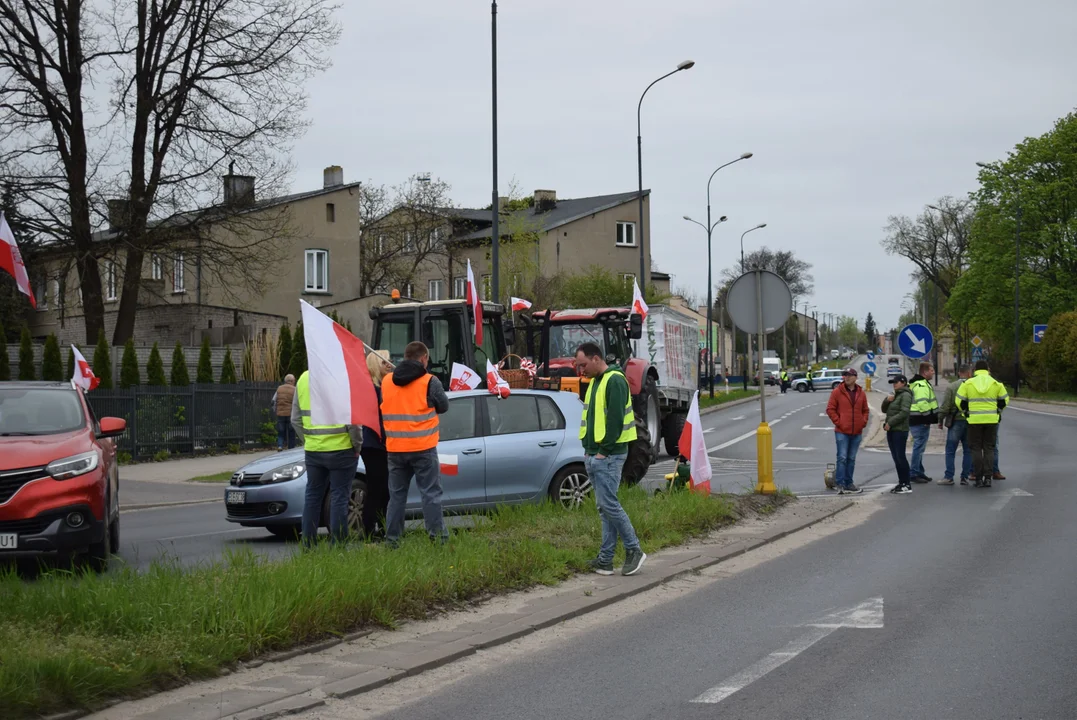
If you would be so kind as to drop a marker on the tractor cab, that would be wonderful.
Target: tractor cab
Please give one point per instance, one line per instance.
(560, 332)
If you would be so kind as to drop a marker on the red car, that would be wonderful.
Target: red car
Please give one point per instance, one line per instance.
(59, 482)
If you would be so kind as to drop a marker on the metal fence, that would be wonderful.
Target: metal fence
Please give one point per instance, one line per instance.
(192, 419)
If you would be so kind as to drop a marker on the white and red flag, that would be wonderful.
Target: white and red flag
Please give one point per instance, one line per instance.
(341, 391)
(83, 377)
(475, 303)
(693, 447)
(494, 382)
(638, 305)
(520, 304)
(463, 378)
(11, 260)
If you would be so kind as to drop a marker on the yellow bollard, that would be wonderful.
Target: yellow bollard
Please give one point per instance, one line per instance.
(867, 383)
(765, 486)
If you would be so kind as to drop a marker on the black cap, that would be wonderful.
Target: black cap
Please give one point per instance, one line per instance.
(899, 379)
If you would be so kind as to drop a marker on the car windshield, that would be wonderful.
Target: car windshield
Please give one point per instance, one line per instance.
(39, 411)
(564, 339)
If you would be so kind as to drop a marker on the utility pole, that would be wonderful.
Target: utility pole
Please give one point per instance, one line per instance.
(495, 232)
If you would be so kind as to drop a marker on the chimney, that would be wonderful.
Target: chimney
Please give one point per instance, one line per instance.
(545, 200)
(332, 176)
(117, 213)
(238, 189)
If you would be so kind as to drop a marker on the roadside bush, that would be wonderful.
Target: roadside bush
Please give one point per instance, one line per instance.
(52, 367)
(102, 361)
(26, 356)
(129, 376)
(180, 376)
(1052, 364)
(155, 369)
(70, 363)
(228, 369)
(204, 376)
(284, 350)
(298, 364)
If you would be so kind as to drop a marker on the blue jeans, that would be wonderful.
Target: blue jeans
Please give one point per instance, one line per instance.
(285, 432)
(897, 441)
(919, 434)
(958, 434)
(331, 471)
(425, 466)
(847, 447)
(605, 475)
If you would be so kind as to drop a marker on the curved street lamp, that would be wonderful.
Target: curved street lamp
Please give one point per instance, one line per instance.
(747, 337)
(760, 226)
(709, 227)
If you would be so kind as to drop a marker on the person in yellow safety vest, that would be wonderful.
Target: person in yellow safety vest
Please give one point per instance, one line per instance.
(411, 400)
(607, 426)
(922, 416)
(981, 399)
(330, 453)
(784, 379)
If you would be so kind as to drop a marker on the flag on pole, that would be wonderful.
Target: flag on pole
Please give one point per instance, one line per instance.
(638, 305)
(83, 377)
(475, 303)
(693, 447)
(463, 378)
(11, 260)
(341, 391)
(494, 382)
(520, 304)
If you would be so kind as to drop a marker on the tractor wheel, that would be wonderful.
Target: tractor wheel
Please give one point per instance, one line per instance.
(639, 455)
(672, 426)
(645, 407)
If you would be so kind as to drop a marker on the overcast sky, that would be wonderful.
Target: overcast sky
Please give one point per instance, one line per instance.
(855, 110)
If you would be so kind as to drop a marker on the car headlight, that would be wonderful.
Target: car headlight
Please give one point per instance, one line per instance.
(284, 472)
(73, 466)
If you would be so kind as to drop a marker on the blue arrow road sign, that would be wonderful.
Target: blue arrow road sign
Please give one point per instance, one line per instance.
(1037, 333)
(868, 368)
(871, 356)
(915, 341)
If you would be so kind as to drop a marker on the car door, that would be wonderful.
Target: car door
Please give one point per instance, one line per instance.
(462, 455)
(525, 435)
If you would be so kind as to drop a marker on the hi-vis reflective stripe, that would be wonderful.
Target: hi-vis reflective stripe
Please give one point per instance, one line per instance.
(984, 412)
(304, 413)
(410, 418)
(410, 433)
(335, 430)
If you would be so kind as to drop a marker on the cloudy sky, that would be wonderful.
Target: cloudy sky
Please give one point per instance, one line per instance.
(855, 110)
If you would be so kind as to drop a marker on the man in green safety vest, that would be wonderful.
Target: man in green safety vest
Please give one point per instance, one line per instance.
(784, 377)
(923, 414)
(981, 399)
(607, 427)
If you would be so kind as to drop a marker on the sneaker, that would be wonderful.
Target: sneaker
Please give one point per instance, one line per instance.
(964, 481)
(634, 560)
(850, 490)
(998, 476)
(600, 567)
(902, 489)
(946, 481)
(987, 482)
(921, 479)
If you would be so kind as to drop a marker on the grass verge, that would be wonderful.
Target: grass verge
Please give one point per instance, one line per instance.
(1047, 396)
(705, 400)
(77, 641)
(221, 477)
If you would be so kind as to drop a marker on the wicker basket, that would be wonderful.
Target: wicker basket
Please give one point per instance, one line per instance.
(517, 378)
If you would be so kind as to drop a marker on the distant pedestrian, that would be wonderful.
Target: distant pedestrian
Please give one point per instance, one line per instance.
(982, 398)
(847, 408)
(411, 400)
(375, 458)
(282, 405)
(607, 429)
(784, 377)
(957, 430)
(897, 406)
(923, 415)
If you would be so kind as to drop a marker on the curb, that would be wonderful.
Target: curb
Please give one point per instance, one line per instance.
(175, 503)
(731, 403)
(392, 666)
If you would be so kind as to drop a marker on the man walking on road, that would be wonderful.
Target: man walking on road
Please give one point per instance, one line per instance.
(411, 401)
(982, 398)
(923, 415)
(607, 427)
(848, 410)
(897, 406)
(282, 405)
(784, 380)
(957, 432)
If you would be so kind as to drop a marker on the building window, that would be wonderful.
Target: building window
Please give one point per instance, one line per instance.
(155, 267)
(110, 280)
(409, 241)
(177, 273)
(382, 288)
(409, 290)
(330, 212)
(317, 275)
(41, 292)
(435, 290)
(58, 293)
(628, 279)
(459, 288)
(379, 244)
(626, 234)
(435, 237)
(486, 287)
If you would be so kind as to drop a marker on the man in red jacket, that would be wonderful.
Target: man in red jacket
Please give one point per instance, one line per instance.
(848, 410)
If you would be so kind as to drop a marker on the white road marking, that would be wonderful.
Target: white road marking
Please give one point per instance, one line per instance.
(785, 446)
(812, 427)
(198, 535)
(822, 414)
(865, 615)
(1040, 412)
(709, 430)
(736, 440)
(1001, 502)
(738, 417)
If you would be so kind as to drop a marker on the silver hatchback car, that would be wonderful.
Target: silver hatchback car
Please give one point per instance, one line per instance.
(521, 449)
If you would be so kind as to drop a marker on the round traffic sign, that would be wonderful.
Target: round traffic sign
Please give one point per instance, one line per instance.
(742, 301)
(871, 356)
(868, 368)
(915, 341)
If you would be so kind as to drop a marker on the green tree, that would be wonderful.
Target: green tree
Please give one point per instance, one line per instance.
(52, 364)
(600, 287)
(5, 361)
(155, 369)
(870, 331)
(228, 369)
(102, 361)
(284, 350)
(129, 375)
(26, 355)
(70, 363)
(180, 376)
(204, 375)
(848, 332)
(298, 364)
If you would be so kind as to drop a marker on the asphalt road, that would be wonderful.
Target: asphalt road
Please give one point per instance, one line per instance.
(952, 602)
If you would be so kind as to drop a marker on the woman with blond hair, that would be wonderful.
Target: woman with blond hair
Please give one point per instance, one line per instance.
(374, 456)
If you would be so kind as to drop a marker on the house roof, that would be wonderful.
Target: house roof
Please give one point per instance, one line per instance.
(565, 211)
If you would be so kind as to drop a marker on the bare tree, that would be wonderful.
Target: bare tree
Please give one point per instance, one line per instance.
(936, 242)
(784, 263)
(690, 296)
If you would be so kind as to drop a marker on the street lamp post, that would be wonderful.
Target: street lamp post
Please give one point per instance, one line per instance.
(495, 231)
(747, 337)
(687, 64)
(709, 227)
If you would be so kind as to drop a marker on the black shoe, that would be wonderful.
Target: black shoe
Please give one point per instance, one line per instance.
(901, 489)
(600, 567)
(921, 479)
(850, 490)
(634, 560)
(964, 481)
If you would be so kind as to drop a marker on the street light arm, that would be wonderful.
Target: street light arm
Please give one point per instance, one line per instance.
(742, 157)
(696, 222)
(639, 107)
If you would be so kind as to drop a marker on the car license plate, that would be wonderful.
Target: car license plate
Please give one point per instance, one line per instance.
(9, 541)
(236, 497)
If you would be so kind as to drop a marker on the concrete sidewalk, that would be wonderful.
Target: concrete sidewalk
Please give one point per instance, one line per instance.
(159, 484)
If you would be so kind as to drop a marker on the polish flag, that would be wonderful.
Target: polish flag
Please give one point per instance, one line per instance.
(341, 391)
(638, 305)
(450, 464)
(692, 446)
(494, 382)
(11, 260)
(520, 304)
(463, 378)
(83, 377)
(475, 303)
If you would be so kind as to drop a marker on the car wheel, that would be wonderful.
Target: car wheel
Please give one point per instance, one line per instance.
(802, 388)
(288, 532)
(835, 385)
(355, 507)
(100, 552)
(672, 427)
(571, 486)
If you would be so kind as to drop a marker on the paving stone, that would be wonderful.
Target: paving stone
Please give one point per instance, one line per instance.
(331, 671)
(445, 653)
(501, 634)
(363, 682)
(287, 706)
(377, 658)
(215, 706)
(546, 603)
(292, 683)
(503, 619)
(446, 636)
(409, 646)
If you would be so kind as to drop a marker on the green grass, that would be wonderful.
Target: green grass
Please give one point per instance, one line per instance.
(221, 477)
(71, 641)
(1048, 396)
(705, 400)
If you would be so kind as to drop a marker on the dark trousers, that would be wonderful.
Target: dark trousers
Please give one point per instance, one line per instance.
(426, 468)
(376, 502)
(330, 472)
(982, 439)
(897, 441)
(285, 432)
